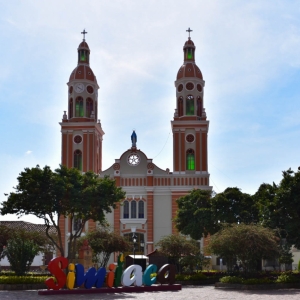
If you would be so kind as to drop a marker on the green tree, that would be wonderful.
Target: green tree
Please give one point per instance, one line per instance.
(194, 214)
(233, 206)
(200, 214)
(63, 193)
(247, 242)
(20, 253)
(103, 243)
(175, 247)
(279, 206)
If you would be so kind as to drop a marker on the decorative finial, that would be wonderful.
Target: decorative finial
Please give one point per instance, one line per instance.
(189, 31)
(133, 139)
(84, 33)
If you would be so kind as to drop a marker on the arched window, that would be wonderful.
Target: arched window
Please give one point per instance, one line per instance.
(199, 107)
(190, 159)
(78, 160)
(189, 105)
(133, 209)
(126, 210)
(89, 107)
(141, 209)
(79, 107)
(71, 108)
(180, 107)
(83, 56)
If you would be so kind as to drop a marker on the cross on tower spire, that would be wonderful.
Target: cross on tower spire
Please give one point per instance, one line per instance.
(84, 33)
(189, 31)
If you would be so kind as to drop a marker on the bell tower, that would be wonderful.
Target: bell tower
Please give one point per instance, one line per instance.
(189, 125)
(81, 130)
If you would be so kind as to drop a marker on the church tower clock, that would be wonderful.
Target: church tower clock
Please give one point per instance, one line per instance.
(190, 126)
(81, 130)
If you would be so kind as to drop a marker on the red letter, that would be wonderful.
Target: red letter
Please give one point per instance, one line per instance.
(55, 269)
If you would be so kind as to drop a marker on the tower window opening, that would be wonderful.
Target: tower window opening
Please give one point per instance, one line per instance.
(189, 105)
(89, 107)
(141, 209)
(71, 108)
(126, 210)
(79, 107)
(190, 53)
(133, 209)
(78, 160)
(180, 107)
(190, 159)
(82, 55)
(199, 107)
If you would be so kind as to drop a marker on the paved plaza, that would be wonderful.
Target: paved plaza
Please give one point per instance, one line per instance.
(204, 292)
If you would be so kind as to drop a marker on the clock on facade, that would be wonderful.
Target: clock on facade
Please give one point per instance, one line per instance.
(79, 88)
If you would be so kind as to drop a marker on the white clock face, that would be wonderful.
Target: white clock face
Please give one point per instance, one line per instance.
(79, 88)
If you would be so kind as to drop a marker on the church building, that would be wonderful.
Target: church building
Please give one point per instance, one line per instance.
(151, 192)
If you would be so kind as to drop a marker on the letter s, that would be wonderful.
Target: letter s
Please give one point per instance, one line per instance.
(55, 269)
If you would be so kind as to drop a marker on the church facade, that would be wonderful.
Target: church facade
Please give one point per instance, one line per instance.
(151, 192)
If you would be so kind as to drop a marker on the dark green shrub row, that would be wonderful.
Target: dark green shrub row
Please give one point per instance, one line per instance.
(192, 277)
(32, 274)
(287, 277)
(22, 279)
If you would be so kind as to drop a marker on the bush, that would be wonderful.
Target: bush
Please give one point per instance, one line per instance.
(20, 254)
(231, 279)
(257, 281)
(22, 279)
(193, 277)
(287, 278)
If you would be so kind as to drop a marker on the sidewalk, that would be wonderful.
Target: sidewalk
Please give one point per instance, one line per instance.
(188, 292)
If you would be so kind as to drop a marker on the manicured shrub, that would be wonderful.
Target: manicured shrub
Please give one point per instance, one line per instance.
(20, 254)
(287, 278)
(257, 281)
(22, 279)
(231, 279)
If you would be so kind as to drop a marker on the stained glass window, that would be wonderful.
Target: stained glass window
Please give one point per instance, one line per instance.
(79, 107)
(189, 105)
(190, 54)
(190, 159)
(78, 160)
(126, 210)
(141, 209)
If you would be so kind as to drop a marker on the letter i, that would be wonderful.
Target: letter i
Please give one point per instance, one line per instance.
(110, 276)
(71, 277)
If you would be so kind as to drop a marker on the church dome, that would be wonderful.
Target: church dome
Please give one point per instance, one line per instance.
(189, 42)
(189, 70)
(83, 45)
(189, 67)
(83, 72)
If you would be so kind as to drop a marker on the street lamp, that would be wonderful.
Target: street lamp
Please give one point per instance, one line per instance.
(134, 238)
(134, 241)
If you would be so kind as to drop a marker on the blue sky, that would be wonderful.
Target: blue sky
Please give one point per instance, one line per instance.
(248, 52)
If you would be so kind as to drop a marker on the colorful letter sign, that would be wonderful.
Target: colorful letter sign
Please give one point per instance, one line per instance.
(133, 275)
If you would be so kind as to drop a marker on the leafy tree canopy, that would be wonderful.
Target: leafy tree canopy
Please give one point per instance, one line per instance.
(279, 206)
(200, 214)
(176, 247)
(103, 243)
(246, 242)
(63, 193)
(194, 214)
